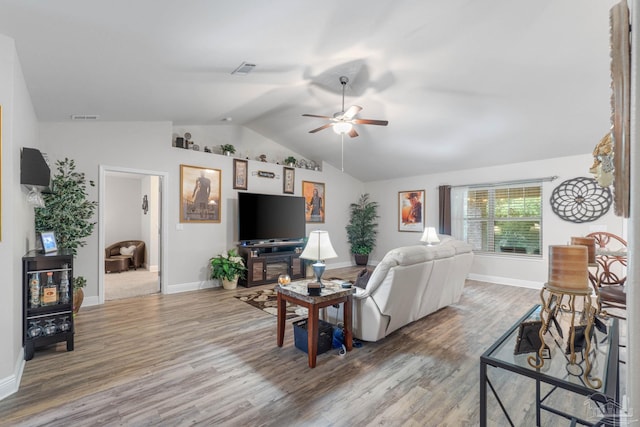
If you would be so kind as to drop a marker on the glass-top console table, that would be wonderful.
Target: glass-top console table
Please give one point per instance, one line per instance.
(565, 392)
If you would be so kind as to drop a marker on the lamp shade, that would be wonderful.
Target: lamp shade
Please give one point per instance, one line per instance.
(590, 243)
(568, 267)
(430, 236)
(318, 246)
(342, 127)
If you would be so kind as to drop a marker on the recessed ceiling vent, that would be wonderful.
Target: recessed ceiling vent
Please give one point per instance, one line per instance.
(244, 69)
(85, 117)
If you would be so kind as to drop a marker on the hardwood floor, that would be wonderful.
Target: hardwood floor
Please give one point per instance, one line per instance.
(206, 358)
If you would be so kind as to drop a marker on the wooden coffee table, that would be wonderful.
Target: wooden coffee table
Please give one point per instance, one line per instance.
(332, 293)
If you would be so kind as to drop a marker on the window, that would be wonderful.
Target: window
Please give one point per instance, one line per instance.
(499, 219)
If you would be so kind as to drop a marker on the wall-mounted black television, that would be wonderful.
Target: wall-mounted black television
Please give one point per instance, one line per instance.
(270, 217)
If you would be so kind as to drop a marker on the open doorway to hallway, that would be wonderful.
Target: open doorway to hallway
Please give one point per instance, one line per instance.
(131, 222)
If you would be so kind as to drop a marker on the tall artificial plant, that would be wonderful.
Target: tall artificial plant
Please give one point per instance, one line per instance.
(68, 210)
(361, 230)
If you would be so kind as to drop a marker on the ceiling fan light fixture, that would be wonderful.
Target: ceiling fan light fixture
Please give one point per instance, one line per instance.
(342, 127)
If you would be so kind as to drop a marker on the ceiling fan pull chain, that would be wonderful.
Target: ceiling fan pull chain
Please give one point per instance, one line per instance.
(342, 165)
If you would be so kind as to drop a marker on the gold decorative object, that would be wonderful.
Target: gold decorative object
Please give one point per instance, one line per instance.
(602, 167)
(568, 278)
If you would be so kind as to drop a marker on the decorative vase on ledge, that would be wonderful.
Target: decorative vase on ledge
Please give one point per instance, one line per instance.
(230, 284)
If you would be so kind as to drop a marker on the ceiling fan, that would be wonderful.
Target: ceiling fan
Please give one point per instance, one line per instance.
(343, 121)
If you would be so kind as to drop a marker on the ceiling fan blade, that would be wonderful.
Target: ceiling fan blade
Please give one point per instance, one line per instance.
(353, 133)
(371, 122)
(352, 111)
(315, 115)
(321, 127)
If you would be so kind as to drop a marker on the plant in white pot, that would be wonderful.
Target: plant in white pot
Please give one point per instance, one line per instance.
(227, 268)
(228, 149)
(361, 230)
(68, 212)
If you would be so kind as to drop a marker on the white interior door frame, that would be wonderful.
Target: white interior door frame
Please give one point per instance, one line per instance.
(164, 177)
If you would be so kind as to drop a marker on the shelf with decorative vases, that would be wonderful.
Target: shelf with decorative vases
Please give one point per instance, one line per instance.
(299, 164)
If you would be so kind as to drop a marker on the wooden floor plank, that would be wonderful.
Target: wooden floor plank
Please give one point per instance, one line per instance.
(206, 358)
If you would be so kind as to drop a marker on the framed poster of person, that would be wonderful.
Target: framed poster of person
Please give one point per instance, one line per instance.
(411, 210)
(199, 194)
(240, 174)
(314, 196)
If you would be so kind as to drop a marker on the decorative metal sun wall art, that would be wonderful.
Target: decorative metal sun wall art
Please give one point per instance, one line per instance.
(580, 200)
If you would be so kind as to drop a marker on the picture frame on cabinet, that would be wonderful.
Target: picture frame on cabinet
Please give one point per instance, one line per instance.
(240, 175)
(49, 243)
(288, 183)
(200, 194)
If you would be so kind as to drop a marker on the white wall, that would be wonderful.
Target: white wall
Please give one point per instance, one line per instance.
(19, 129)
(123, 219)
(530, 272)
(148, 147)
(248, 144)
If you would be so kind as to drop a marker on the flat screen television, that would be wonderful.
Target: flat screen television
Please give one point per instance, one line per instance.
(270, 217)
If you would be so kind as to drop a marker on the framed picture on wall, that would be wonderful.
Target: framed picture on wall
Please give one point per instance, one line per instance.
(314, 196)
(199, 194)
(240, 174)
(410, 210)
(289, 180)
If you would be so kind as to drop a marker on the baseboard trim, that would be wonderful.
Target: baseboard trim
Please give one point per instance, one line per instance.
(192, 286)
(11, 384)
(89, 301)
(506, 281)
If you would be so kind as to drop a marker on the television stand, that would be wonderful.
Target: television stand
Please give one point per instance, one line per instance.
(266, 261)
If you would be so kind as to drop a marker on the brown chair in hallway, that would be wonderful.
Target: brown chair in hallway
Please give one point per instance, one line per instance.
(137, 257)
(611, 270)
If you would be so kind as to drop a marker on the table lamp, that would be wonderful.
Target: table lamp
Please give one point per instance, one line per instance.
(430, 236)
(318, 248)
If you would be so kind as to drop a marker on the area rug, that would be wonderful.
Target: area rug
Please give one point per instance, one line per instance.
(267, 300)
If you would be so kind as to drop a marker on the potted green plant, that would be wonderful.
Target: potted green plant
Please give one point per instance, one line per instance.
(228, 149)
(291, 161)
(361, 230)
(68, 212)
(228, 267)
(78, 293)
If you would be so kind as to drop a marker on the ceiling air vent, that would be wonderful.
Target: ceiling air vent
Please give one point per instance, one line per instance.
(85, 117)
(244, 69)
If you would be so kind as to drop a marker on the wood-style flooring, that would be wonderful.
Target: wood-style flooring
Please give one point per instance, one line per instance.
(206, 358)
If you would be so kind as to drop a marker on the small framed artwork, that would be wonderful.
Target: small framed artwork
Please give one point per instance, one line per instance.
(199, 194)
(410, 210)
(289, 180)
(314, 196)
(49, 243)
(240, 174)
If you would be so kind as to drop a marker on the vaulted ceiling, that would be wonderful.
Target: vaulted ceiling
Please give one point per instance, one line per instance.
(462, 83)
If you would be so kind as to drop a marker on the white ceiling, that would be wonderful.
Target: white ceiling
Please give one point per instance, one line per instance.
(463, 83)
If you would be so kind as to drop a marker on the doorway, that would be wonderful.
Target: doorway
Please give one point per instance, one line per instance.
(131, 224)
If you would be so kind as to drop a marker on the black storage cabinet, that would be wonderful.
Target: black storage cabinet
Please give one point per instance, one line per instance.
(41, 263)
